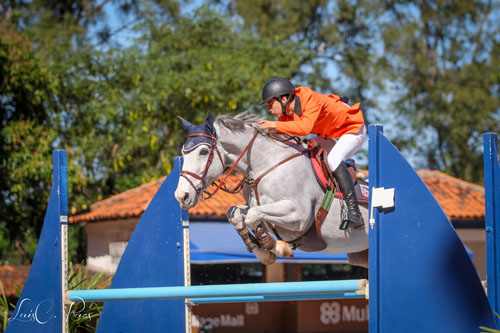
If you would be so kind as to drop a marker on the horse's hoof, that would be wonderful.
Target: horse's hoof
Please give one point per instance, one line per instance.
(283, 249)
(265, 257)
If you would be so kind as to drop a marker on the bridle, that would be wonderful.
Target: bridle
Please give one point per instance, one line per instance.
(213, 147)
(220, 184)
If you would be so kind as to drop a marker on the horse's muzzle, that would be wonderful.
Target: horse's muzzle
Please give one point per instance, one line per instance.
(184, 199)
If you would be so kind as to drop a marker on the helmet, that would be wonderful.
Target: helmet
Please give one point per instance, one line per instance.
(277, 87)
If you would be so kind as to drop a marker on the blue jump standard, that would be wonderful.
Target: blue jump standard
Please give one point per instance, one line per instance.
(220, 291)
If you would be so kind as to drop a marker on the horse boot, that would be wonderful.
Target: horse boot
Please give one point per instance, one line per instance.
(354, 217)
(267, 241)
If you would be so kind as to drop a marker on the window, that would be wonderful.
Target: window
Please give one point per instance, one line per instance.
(317, 272)
(226, 274)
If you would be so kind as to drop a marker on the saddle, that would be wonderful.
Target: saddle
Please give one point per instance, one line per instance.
(325, 178)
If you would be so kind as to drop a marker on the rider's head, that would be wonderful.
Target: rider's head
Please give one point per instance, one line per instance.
(276, 88)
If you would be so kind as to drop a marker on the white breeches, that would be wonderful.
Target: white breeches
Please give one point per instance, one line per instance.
(346, 146)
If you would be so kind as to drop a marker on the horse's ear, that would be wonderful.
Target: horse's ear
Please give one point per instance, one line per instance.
(209, 122)
(187, 125)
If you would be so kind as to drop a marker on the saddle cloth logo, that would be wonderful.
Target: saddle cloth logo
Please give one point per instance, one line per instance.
(364, 190)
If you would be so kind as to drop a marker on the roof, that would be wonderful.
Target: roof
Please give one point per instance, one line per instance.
(12, 278)
(459, 199)
(133, 203)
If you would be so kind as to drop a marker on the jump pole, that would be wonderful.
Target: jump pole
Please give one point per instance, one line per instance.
(223, 292)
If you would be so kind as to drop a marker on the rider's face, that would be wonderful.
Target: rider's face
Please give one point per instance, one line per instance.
(274, 107)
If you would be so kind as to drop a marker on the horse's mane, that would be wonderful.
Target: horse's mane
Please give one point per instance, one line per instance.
(240, 122)
(237, 123)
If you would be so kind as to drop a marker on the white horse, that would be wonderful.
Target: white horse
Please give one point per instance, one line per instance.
(281, 190)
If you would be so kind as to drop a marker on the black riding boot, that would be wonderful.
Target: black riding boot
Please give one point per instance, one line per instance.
(354, 218)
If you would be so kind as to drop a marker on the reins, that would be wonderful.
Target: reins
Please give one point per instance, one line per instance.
(221, 183)
(255, 182)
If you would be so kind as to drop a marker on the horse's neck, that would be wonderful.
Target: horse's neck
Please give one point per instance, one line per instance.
(262, 154)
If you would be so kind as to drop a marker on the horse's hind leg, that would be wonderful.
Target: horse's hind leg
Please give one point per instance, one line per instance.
(358, 258)
(236, 215)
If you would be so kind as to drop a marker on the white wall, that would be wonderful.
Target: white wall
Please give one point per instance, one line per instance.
(106, 242)
(475, 239)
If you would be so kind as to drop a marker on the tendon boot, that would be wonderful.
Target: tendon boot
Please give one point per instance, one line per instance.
(354, 217)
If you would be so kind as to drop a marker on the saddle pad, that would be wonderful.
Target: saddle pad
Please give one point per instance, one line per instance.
(316, 156)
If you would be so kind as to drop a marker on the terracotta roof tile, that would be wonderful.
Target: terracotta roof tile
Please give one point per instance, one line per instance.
(459, 200)
(131, 203)
(13, 277)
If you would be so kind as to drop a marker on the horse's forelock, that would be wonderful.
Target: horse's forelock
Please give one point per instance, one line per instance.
(238, 122)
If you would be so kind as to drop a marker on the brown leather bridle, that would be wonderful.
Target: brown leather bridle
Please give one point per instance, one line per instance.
(213, 147)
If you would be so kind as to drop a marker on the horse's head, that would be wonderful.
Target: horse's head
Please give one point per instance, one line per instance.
(203, 162)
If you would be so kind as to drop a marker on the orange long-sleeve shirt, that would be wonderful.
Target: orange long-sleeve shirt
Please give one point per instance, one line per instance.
(323, 115)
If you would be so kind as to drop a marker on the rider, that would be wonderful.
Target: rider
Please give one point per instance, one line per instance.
(302, 111)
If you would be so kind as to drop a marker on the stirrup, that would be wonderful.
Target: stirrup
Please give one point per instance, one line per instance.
(348, 222)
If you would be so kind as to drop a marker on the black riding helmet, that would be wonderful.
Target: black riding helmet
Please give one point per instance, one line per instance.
(277, 87)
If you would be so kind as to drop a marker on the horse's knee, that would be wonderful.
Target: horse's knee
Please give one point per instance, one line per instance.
(252, 218)
(236, 215)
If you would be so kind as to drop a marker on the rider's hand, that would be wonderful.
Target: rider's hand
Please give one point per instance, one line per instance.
(267, 124)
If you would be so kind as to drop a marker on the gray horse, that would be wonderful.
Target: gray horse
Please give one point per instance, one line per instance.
(284, 201)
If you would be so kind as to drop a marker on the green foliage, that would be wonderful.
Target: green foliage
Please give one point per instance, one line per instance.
(487, 329)
(83, 316)
(114, 109)
(122, 106)
(339, 35)
(25, 84)
(4, 309)
(445, 66)
(25, 144)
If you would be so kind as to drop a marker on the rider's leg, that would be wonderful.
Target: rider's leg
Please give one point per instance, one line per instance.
(345, 147)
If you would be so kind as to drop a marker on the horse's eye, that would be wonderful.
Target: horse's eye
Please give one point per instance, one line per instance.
(204, 151)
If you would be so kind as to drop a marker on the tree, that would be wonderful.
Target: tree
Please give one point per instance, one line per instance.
(25, 142)
(428, 68)
(114, 109)
(340, 37)
(121, 115)
(445, 60)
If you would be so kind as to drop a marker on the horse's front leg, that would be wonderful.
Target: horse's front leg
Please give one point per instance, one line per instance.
(281, 213)
(236, 215)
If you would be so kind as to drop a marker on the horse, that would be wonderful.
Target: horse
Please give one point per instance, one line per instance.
(279, 186)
